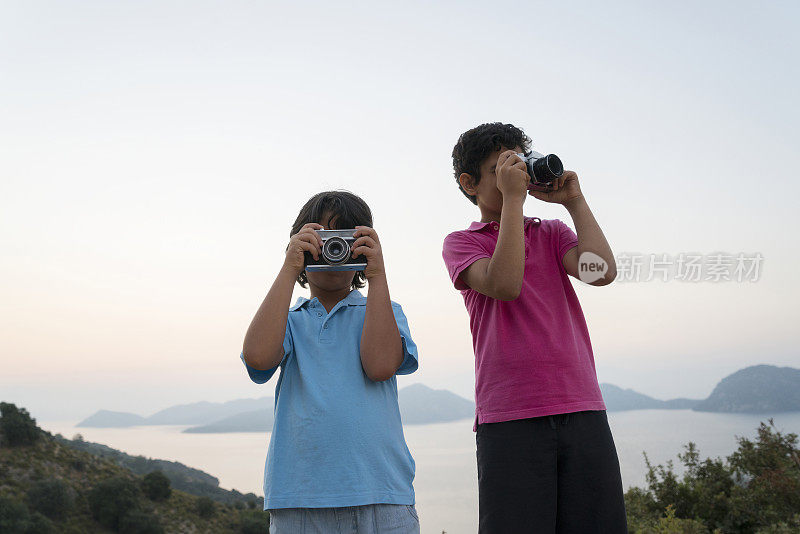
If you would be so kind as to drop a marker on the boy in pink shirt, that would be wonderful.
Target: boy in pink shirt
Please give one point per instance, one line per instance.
(546, 458)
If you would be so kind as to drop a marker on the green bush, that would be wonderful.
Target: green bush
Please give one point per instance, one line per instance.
(206, 507)
(16, 519)
(791, 526)
(51, 497)
(155, 486)
(140, 522)
(14, 516)
(253, 522)
(112, 498)
(78, 464)
(17, 426)
(756, 489)
(40, 525)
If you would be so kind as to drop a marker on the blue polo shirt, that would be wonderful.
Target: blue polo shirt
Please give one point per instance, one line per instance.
(337, 439)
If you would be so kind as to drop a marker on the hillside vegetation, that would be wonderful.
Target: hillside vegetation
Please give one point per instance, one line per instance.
(46, 486)
(754, 490)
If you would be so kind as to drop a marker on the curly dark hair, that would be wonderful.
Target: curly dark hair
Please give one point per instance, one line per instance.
(346, 211)
(475, 145)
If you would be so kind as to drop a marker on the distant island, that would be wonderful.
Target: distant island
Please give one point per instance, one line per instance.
(419, 405)
(183, 414)
(756, 389)
(618, 399)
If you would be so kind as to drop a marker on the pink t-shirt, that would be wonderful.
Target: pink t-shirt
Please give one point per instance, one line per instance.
(533, 356)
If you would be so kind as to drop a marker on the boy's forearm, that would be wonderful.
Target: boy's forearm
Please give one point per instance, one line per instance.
(507, 264)
(263, 343)
(590, 235)
(381, 345)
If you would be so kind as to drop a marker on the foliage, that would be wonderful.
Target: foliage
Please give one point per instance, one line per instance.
(756, 489)
(181, 477)
(41, 525)
(783, 527)
(14, 516)
(75, 464)
(155, 486)
(16, 519)
(112, 498)
(17, 426)
(206, 507)
(140, 522)
(254, 522)
(52, 497)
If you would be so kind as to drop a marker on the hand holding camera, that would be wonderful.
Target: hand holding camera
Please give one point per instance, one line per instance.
(335, 252)
(549, 181)
(562, 191)
(354, 249)
(306, 242)
(544, 171)
(368, 246)
(512, 175)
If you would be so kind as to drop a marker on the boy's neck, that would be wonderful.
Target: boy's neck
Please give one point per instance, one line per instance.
(489, 215)
(329, 299)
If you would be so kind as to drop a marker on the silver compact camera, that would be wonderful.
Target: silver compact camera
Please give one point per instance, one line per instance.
(336, 253)
(543, 170)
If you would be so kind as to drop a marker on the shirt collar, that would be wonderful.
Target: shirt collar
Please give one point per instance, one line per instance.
(354, 298)
(478, 226)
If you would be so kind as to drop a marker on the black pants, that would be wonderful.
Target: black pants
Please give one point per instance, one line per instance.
(551, 474)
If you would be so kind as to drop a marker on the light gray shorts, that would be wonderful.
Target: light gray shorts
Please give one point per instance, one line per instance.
(367, 519)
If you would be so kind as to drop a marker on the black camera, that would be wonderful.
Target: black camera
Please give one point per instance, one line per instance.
(543, 170)
(337, 254)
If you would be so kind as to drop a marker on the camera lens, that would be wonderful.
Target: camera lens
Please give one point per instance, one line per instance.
(548, 168)
(554, 165)
(335, 250)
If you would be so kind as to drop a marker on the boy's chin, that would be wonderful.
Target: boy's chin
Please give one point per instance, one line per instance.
(332, 280)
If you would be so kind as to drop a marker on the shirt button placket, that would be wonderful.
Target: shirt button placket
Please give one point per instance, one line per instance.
(325, 332)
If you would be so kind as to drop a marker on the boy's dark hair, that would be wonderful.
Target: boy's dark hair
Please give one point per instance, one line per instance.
(475, 145)
(347, 211)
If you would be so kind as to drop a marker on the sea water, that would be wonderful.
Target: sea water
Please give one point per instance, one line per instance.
(446, 481)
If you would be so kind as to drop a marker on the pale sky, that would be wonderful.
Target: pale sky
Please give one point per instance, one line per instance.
(153, 156)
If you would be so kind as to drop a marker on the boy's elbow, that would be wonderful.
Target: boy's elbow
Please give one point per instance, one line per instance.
(379, 374)
(509, 295)
(609, 277)
(380, 377)
(259, 361)
(501, 287)
(377, 369)
(506, 292)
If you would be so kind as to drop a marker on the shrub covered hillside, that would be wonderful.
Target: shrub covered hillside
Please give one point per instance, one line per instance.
(49, 487)
(755, 490)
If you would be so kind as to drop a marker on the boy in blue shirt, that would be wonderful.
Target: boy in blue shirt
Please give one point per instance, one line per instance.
(337, 459)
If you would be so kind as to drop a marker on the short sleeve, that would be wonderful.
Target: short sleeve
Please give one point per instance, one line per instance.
(459, 252)
(410, 355)
(565, 239)
(259, 376)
